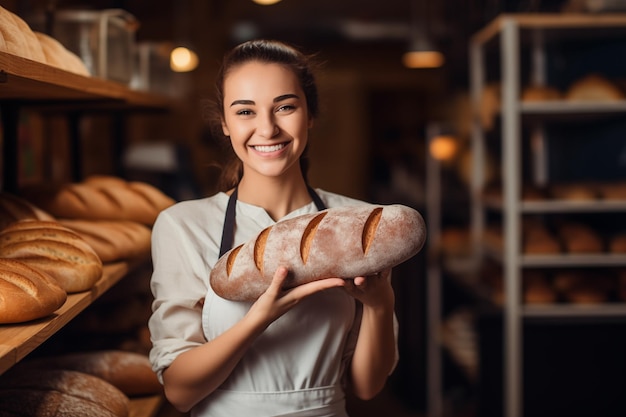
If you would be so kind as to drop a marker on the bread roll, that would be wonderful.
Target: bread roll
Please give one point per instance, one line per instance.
(580, 238)
(27, 293)
(54, 249)
(101, 198)
(129, 372)
(13, 208)
(338, 242)
(61, 390)
(113, 240)
(540, 93)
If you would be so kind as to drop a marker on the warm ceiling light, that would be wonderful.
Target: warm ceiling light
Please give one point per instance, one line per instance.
(266, 2)
(423, 59)
(443, 147)
(183, 59)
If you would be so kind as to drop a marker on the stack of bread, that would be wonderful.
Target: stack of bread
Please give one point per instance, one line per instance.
(95, 383)
(17, 38)
(56, 241)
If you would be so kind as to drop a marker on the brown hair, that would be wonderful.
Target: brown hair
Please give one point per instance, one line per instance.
(266, 51)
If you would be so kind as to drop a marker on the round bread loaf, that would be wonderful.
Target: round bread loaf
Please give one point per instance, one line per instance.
(27, 293)
(594, 87)
(54, 249)
(344, 242)
(64, 391)
(129, 372)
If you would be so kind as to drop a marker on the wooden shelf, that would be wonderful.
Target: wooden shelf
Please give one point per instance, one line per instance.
(18, 340)
(29, 81)
(562, 206)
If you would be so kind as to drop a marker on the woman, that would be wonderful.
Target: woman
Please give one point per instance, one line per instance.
(290, 352)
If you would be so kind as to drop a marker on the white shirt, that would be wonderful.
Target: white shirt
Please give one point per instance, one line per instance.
(295, 367)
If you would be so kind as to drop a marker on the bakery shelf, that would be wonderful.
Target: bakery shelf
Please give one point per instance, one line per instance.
(562, 206)
(27, 81)
(18, 340)
(567, 311)
(562, 260)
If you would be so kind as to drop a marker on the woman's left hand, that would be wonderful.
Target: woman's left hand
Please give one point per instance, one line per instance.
(373, 290)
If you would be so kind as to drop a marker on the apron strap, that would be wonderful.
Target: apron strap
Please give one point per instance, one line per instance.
(228, 232)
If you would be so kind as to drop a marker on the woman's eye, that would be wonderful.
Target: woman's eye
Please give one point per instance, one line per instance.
(244, 112)
(286, 108)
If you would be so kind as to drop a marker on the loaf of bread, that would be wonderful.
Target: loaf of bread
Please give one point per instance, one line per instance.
(13, 208)
(580, 238)
(594, 87)
(54, 249)
(101, 198)
(27, 293)
(59, 56)
(541, 93)
(60, 393)
(113, 240)
(129, 372)
(341, 242)
(18, 38)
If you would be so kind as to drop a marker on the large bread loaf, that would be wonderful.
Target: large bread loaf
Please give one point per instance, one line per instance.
(129, 372)
(338, 242)
(54, 249)
(14, 208)
(60, 393)
(113, 240)
(101, 197)
(27, 293)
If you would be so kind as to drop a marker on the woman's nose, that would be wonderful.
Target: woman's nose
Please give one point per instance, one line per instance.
(267, 126)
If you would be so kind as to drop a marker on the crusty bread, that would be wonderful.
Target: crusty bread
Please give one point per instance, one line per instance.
(18, 37)
(580, 238)
(100, 198)
(59, 56)
(27, 293)
(54, 249)
(129, 372)
(60, 389)
(339, 242)
(13, 208)
(594, 87)
(541, 93)
(113, 240)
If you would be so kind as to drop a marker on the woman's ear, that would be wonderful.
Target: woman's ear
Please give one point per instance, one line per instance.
(225, 129)
(311, 120)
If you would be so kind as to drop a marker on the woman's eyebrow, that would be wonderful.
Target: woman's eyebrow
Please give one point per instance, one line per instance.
(285, 97)
(246, 102)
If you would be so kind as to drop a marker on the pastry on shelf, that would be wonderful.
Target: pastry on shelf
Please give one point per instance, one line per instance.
(537, 288)
(580, 191)
(594, 87)
(613, 190)
(580, 238)
(538, 240)
(541, 93)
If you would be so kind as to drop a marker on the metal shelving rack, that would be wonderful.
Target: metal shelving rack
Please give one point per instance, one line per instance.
(505, 35)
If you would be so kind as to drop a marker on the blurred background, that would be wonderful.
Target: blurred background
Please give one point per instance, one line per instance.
(510, 133)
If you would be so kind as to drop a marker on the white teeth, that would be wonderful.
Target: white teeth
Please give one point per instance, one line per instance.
(269, 148)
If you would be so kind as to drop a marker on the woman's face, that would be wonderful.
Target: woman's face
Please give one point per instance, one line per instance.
(266, 117)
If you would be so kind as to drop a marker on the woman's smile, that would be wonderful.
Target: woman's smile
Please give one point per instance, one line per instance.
(269, 148)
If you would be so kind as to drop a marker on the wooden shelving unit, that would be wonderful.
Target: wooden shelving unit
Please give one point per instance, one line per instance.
(26, 83)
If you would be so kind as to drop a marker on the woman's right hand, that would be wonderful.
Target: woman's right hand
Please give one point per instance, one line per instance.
(276, 300)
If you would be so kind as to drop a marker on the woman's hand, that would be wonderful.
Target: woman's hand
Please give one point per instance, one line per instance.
(276, 301)
(374, 290)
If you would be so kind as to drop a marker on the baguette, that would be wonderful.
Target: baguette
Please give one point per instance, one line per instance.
(77, 392)
(113, 240)
(341, 242)
(101, 197)
(27, 293)
(54, 249)
(14, 208)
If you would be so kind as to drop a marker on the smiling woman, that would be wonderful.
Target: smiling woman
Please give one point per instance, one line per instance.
(257, 357)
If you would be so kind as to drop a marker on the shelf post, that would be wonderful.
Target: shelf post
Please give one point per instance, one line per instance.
(511, 179)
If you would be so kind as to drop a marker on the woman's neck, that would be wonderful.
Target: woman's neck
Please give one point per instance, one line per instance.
(278, 197)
